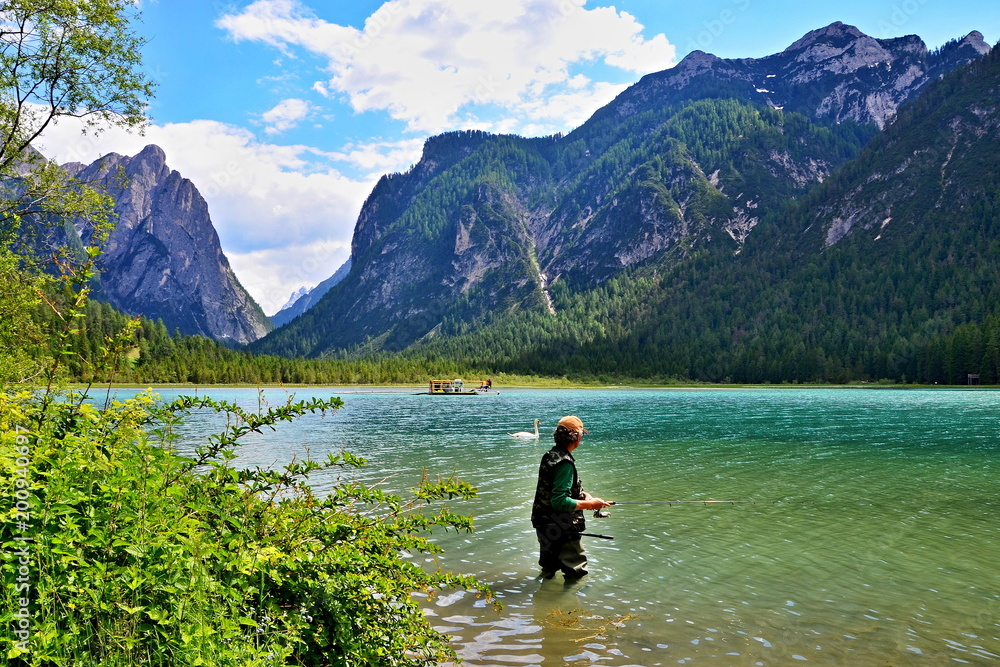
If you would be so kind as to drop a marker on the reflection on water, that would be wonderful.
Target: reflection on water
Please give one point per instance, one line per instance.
(880, 549)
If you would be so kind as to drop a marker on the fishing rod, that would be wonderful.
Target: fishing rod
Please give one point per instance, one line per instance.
(690, 502)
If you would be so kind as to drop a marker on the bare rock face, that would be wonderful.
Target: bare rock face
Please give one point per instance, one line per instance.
(939, 167)
(163, 259)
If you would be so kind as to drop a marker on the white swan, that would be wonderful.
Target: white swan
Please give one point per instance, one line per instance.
(527, 434)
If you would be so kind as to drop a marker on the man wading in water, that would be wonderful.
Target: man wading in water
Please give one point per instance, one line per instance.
(557, 513)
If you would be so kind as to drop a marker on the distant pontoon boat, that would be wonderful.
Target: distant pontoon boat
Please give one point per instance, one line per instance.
(456, 387)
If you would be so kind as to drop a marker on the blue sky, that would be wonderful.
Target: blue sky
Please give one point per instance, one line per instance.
(285, 112)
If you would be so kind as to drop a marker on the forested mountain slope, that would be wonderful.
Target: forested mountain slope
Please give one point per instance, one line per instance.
(488, 234)
(887, 270)
(658, 239)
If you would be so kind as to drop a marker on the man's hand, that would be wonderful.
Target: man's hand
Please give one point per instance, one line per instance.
(589, 502)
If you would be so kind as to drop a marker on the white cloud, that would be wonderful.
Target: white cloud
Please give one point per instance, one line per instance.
(380, 157)
(271, 204)
(286, 115)
(429, 63)
(572, 105)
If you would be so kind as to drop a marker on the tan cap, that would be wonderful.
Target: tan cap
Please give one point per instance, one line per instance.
(572, 423)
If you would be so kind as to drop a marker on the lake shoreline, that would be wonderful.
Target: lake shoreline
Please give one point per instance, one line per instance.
(538, 385)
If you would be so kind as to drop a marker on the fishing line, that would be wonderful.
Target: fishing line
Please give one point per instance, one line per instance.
(600, 514)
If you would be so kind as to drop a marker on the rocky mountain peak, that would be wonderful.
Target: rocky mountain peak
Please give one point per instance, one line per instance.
(152, 154)
(163, 258)
(692, 65)
(975, 41)
(842, 49)
(150, 162)
(697, 59)
(835, 33)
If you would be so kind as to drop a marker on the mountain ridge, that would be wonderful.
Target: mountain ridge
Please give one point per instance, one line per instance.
(831, 60)
(309, 297)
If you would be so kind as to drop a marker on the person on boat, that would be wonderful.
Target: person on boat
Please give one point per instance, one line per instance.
(557, 512)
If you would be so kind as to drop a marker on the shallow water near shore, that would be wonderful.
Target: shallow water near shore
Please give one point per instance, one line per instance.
(873, 540)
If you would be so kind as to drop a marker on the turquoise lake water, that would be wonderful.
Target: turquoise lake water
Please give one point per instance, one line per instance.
(881, 549)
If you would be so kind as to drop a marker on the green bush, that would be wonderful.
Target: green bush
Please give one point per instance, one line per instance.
(139, 555)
